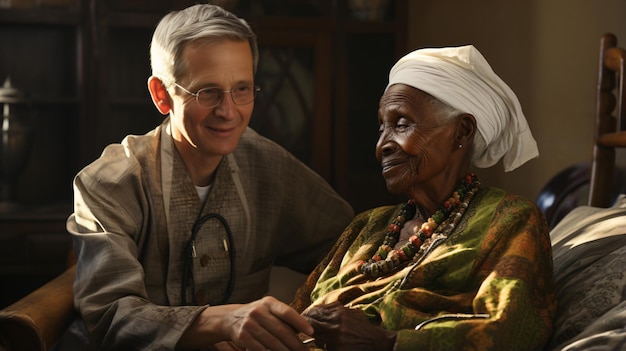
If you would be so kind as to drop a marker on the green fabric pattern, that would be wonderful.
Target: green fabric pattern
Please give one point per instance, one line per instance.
(498, 261)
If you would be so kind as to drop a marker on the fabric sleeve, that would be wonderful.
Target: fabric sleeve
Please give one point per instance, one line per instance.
(109, 290)
(513, 273)
(313, 212)
(332, 260)
(499, 264)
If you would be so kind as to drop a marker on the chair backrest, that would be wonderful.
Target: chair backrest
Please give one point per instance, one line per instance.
(599, 181)
(610, 124)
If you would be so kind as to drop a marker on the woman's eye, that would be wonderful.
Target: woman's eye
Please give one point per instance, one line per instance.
(402, 123)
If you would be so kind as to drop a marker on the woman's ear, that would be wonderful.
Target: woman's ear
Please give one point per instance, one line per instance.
(465, 129)
(160, 96)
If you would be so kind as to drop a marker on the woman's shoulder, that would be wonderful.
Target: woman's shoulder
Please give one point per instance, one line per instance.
(509, 209)
(504, 198)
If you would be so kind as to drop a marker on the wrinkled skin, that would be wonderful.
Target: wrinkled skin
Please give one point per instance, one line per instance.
(202, 135)
(344, 329)
(265, 324)
(418, 151)
(421, 158)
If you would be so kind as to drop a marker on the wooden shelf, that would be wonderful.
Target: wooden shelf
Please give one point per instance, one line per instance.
(133, 20)
(360, 26)
(132, 101)
(296, 24)
(41, 16)
(54, 101)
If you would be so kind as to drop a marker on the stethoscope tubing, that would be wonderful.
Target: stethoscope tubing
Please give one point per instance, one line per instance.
(189, 254)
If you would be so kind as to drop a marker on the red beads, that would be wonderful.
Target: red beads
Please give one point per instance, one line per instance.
(442, 222)
(415, 240)
(402, 255)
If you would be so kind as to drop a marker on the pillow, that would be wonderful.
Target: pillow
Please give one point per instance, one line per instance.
(606, 333)
(589, 252)
(591, 294)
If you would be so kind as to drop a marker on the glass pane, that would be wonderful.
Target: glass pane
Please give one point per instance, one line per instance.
(284, 109)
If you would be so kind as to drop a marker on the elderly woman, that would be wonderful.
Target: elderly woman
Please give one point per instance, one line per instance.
(459, 266)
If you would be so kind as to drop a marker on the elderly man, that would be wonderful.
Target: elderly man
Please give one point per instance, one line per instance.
(176, 231)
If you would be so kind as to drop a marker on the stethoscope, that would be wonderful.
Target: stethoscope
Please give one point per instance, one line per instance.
(189, 253)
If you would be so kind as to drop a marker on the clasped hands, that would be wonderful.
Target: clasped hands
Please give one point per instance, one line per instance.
(269, 324)
(337, 327)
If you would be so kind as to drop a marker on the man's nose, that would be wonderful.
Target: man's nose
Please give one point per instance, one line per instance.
(226, 108)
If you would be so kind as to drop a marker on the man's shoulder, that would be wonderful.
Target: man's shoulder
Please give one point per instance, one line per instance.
(124, 158)
(251, 139)
(258, 148)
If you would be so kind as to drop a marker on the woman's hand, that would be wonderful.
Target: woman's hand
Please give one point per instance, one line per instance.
(265, 324)
(343, 329)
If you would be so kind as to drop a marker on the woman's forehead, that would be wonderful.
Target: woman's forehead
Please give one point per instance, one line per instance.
(401, 96)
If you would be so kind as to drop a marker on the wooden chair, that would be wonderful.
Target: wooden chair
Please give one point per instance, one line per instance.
(596, 182)
(610, 124)
(36, 322)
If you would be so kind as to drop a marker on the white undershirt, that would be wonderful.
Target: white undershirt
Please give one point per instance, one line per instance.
(203, 192)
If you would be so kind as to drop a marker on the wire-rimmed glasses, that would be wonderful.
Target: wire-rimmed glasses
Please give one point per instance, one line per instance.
(211, 97)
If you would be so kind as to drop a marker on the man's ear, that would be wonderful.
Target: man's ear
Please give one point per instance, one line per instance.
(465, 129)
(160, 96)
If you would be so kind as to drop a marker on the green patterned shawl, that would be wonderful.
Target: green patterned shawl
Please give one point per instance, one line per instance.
(498, 261)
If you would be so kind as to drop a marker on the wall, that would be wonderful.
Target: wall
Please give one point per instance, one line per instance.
(547, 51)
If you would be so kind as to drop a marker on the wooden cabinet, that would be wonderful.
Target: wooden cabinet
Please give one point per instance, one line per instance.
(341, 63)
(41, 52)
(369, 50)
(85, 64)
(34, 248)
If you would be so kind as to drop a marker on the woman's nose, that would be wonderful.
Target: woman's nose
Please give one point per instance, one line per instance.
(384, 146)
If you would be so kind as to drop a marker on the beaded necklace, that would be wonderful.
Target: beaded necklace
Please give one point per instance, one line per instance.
(438, 226)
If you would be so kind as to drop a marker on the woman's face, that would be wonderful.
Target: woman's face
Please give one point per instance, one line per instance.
(414, 145)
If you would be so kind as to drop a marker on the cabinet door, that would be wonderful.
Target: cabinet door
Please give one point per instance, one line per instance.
(294, 106)
(366, 51)
(42, 60)
(124, 105)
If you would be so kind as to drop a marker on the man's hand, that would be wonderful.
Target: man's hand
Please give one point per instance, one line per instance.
(265, 324)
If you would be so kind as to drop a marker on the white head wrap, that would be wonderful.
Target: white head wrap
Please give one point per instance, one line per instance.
(462, 78)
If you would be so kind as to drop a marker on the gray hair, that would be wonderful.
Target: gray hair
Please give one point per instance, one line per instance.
(198, 22)
(445, 113)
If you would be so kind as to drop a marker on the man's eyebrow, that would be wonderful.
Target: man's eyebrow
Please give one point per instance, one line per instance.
(207, 85)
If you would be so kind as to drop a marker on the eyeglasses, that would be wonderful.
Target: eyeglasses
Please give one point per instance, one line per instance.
(211, 97)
